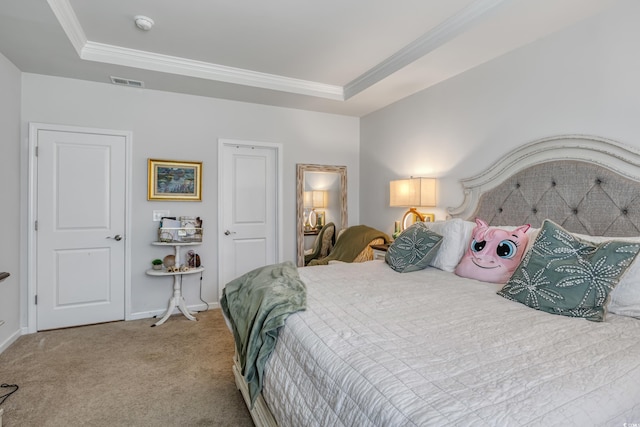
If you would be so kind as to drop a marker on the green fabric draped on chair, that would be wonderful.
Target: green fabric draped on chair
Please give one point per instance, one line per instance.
(322, 245)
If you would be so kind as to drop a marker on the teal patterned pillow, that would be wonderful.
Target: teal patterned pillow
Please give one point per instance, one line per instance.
(414, 249)
(562, 274)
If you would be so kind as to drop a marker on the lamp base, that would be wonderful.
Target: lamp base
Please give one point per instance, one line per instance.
(412, 216)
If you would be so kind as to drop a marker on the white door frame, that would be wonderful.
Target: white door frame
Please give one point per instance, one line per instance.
(279, 220)
(34, 128)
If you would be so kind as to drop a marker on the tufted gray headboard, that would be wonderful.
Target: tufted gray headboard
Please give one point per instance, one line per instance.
(586, 184)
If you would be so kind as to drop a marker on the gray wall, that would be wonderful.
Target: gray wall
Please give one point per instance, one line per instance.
(10, 243)
(581, 80)
(184, 127)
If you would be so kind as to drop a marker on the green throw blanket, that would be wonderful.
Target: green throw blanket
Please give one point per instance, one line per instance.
(257, 304)
(351, 243)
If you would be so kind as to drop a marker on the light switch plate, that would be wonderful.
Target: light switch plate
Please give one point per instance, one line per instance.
(157, 215)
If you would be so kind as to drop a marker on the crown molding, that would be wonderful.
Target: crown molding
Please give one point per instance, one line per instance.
(428, 42)
(99, 52)
(433, 39)
(69, 21)
(186, 67)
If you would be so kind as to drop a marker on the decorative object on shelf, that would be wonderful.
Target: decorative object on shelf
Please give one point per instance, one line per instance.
(156, 264)
(193, 259)
(412, 193)
(164, 236)
(178, 269)
(169, 261)
(184, 229)
(174, 180)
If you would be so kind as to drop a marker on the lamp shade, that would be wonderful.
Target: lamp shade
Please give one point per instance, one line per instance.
(412, 192)
(315, 199)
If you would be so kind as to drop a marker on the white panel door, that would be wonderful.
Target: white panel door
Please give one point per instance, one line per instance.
(249, 209)
(80, 254)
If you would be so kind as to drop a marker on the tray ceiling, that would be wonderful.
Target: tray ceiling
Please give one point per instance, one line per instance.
(345, 57)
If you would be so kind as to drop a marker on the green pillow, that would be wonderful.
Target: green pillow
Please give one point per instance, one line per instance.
(562, 274)
(414, 249)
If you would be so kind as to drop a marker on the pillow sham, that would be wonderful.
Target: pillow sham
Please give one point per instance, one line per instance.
(625, 297)
(413, 249)
(455, 234)
(562, 274)
(493, 253)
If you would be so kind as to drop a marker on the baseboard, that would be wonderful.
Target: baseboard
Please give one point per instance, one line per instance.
(159, 313)
(12, 338)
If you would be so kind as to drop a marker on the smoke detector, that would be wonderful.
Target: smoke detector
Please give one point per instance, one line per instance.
(143, 22)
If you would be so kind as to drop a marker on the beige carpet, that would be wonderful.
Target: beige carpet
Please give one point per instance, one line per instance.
(125, 374)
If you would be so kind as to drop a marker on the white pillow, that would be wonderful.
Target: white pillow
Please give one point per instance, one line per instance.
(625, 297)
(456, 235)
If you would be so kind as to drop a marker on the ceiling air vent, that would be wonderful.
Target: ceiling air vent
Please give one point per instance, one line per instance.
(126, 82)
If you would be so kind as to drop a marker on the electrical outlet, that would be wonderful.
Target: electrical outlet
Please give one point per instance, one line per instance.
(157, 215)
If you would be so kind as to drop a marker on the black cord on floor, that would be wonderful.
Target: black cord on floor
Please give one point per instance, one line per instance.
(6, 396)
(201, 292)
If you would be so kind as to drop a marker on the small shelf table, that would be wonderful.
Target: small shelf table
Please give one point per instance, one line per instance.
(177, 300)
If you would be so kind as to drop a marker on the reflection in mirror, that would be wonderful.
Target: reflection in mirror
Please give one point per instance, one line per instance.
(321, 199)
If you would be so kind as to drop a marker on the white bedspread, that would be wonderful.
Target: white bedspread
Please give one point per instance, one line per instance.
(379, 348)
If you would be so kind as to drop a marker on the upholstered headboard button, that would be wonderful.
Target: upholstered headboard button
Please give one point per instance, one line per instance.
(575, 211)
(500, 210)
(625, 211)
(598, 181)
(534, 210)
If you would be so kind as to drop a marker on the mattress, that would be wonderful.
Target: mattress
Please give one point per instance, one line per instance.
(380, 348)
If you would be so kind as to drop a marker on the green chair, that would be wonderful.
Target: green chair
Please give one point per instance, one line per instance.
(322, 245)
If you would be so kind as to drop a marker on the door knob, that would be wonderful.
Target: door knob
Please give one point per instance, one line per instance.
(226, 233)
(117, 237)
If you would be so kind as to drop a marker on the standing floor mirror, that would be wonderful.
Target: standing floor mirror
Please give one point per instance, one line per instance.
(321, 198)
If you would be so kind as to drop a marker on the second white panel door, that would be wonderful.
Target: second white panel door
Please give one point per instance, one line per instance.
(249, 194)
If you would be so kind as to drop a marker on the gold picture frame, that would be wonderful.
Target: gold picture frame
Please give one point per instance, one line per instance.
(174, 180)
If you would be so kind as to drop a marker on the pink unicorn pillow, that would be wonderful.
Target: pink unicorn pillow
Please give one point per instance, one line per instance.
(494, 253)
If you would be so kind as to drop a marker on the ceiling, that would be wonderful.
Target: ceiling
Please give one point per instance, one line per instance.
(348, 57)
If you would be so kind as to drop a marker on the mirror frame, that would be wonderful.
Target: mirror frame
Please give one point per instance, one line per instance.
(301, 168)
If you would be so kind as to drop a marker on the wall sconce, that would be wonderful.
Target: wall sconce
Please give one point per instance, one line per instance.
(412, 193)
(314, 200)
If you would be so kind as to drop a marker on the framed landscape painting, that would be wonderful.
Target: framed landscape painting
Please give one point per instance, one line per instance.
(174, 180)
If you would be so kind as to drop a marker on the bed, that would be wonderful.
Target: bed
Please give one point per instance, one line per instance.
(375, 347)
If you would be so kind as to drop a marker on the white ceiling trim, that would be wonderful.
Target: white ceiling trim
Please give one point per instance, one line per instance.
(187, 67)
(69, 22)
(428, 42)
(100, 52)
